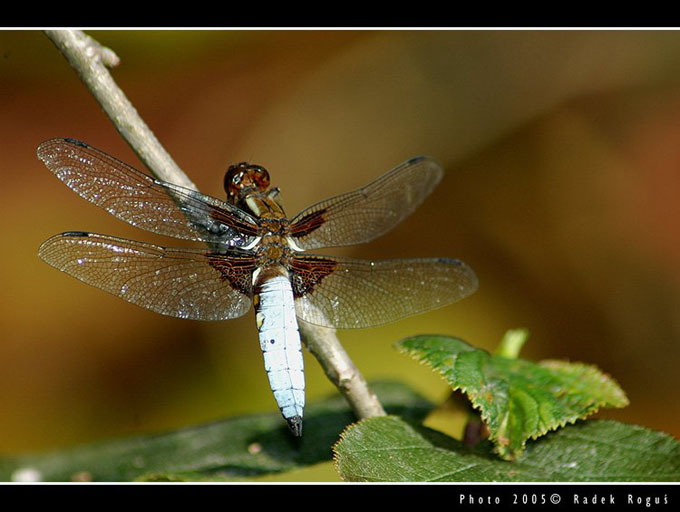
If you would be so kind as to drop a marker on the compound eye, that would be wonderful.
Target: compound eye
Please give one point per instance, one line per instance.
(262, 178)
(233, 178)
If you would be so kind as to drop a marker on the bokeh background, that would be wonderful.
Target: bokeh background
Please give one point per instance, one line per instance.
(562, 191)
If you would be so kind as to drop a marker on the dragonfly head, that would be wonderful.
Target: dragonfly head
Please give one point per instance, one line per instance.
(243, 179)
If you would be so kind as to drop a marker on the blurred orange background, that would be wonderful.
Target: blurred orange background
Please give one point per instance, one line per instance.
(562, 191)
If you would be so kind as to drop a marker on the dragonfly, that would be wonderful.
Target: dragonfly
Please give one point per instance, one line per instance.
(252, 254)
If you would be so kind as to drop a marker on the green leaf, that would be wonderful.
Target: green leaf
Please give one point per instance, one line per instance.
(234, 448)
(517, 399)
(388, 449)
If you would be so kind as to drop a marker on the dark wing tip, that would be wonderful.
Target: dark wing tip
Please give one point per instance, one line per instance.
(473, 281)
(47, 245)
(295, 424)
(451, 261)
(45, 150)
(75, 141)
(416, 159)
(430, 165)
(423, 158)
(44, 147)
(76, 233)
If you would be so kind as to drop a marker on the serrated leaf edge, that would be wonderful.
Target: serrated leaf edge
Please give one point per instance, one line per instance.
(595, 368)
(341, 438)
(476, 404)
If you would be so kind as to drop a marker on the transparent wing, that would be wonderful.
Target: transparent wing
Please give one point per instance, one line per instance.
(351, 293)
(185, 283)
(364, 214)
(143, 201)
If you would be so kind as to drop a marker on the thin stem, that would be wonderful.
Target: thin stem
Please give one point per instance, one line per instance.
(90, 60)
(323, 343)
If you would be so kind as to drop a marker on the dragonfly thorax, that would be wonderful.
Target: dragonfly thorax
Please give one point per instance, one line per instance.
(273, 249)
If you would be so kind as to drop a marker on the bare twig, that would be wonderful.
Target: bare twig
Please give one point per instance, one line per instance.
(90, 60)
(323, 343)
